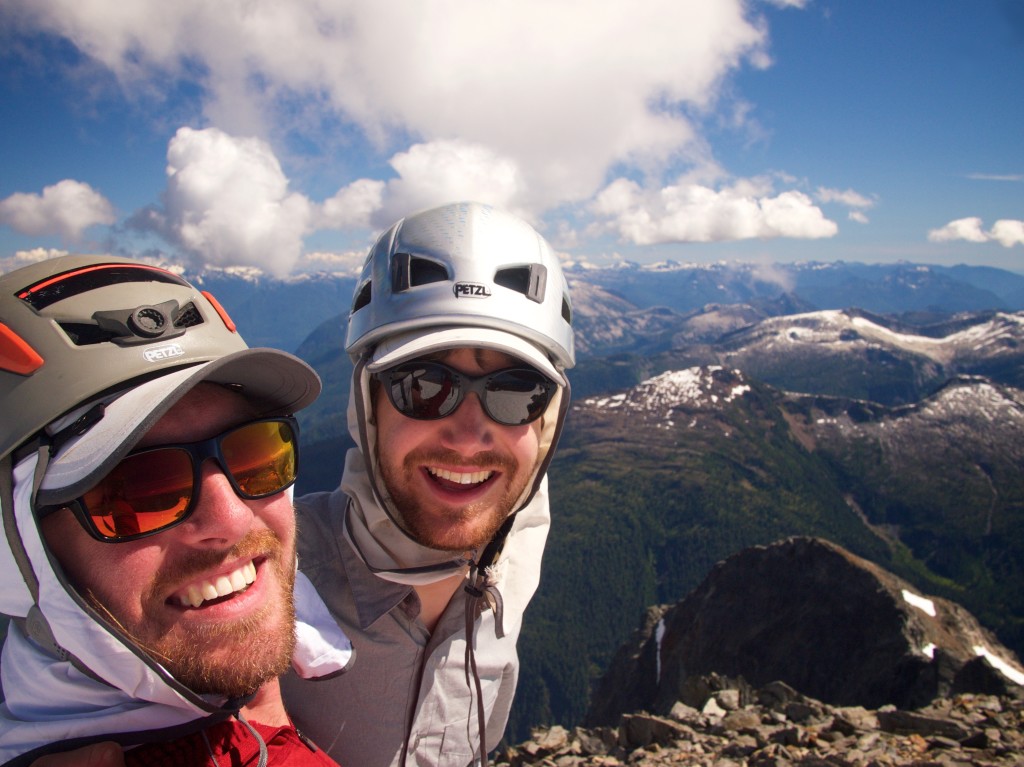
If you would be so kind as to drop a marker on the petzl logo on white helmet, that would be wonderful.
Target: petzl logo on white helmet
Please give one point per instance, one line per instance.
(165, 352)
(471, 290)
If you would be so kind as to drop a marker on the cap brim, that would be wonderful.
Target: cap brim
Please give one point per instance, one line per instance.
(273, 381)
(417, 343)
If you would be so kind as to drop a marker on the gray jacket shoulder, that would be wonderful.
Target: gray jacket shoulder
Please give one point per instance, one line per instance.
(319, 518)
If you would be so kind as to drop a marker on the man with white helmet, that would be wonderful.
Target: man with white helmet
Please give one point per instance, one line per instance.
(430, 550)
(148, 564)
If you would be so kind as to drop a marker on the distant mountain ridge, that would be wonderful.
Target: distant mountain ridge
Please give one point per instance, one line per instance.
(621, 342)
(275, 312)
(280, 312)
(883, 288)
(846, 353)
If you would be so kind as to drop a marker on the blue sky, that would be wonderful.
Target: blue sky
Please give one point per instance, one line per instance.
(286, 135)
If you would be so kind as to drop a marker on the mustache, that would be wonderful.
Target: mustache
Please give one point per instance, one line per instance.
(258, 543)
(488, 459)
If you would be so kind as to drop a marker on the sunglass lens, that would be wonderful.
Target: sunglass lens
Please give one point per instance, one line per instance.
(516, 397)
(423, 390)
(143, 493)
(261, 457)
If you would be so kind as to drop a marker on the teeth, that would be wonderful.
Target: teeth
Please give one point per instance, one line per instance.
(221, 586)
(194, 598)
(461, 478)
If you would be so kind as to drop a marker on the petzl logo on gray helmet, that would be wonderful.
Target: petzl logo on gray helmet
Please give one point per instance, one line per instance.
(163, 352)
(471, 290)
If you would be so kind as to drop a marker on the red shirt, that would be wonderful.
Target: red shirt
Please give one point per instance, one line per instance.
(232, 745)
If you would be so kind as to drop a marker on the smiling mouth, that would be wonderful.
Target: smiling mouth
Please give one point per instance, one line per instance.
(463, 479)
(226, 585)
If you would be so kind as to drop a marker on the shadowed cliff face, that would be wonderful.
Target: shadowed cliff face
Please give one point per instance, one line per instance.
(808, 613)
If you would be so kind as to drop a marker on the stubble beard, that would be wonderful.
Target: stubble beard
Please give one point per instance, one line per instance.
(455, 528)
(233, 658)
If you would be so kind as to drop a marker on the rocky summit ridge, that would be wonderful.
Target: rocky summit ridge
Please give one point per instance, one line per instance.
(799, 653)
(775, 726)
(807, 612)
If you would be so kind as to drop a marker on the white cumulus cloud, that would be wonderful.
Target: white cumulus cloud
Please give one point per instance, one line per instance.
(689, 212)
(962, 229)
(352, 206)
(449, 170)
(350, 261)
(857, 202)
(425, 175)
(227, 201)
(67, 209)
(1007, 232)
(847, 197)
(35, 255)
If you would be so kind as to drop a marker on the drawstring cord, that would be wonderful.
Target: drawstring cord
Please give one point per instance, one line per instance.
(263, 746)
(480, 587)
(262, 762)
(482, 584)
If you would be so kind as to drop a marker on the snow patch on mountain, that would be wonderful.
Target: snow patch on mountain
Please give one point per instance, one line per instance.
(982, 398)
(661, 395)
(965, 413)
(844, 330)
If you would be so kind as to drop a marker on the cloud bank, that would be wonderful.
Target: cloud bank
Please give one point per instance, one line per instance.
(532, 105)
(690, 212)
(564, 94)
(1007, 232)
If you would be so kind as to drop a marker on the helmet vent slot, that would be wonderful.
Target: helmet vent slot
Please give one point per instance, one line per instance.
(86, 334)
(409, 271)
(529, 280)
(362, 297)
(424, 272)
(188, 317)
(83, 280)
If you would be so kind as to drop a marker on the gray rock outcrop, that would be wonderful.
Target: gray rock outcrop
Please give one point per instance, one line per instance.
(782, 728)
(809, 613)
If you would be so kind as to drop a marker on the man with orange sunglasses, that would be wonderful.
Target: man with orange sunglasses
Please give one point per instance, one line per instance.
(147, 457)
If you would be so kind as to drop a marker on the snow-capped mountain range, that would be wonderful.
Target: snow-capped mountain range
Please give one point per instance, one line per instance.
(630, 306)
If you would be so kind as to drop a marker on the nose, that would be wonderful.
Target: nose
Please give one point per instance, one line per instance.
(468, 430)
(220, 518)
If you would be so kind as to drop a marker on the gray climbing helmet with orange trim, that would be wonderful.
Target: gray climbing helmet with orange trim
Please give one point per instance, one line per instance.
(77, 327)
